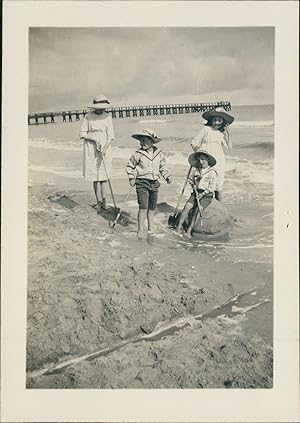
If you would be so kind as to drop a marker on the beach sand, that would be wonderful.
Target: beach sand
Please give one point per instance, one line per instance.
(96, 291)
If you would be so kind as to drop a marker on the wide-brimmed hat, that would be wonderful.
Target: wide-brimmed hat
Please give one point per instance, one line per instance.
(194, 158)
(99, 102)
(147, 133)
(218, 112)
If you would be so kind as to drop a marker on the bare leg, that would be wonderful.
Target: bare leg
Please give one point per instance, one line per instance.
(219, 196)
(194, 220)
(103, 185)
(96, 186)
(141, 220)
(150, 217)
(184, 215)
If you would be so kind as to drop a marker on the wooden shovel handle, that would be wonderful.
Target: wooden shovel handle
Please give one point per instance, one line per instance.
(197, 199)
(183, 188)
(109, 183)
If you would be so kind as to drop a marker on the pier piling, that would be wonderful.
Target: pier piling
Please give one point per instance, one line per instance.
(127, 112)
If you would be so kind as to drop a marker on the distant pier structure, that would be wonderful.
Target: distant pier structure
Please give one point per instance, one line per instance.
(127, 112)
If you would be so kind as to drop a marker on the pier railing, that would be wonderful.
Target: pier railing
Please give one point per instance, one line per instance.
(127, 112)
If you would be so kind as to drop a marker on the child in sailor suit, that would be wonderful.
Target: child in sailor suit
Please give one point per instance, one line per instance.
(144, 169)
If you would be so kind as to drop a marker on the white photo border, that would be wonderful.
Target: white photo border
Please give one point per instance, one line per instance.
(281, 403)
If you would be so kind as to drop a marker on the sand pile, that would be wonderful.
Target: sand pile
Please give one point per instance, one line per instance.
(214, 222)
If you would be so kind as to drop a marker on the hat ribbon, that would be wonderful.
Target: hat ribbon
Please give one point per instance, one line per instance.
(100, 101)
(152, 134)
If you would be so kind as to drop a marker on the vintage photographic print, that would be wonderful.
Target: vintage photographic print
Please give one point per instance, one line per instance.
(149, 238)
(150, 208)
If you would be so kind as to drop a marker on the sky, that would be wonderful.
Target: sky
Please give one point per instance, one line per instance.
(136, 66)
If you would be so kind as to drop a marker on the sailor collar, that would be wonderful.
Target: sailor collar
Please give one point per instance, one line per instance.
(152, 156)
(203, 172)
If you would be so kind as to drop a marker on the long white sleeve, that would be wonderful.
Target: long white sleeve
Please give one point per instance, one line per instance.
(199, 139)
(84, 128)
(163, 166)
(131, 166)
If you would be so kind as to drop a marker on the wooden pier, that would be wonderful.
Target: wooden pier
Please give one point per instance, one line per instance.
(127, 112)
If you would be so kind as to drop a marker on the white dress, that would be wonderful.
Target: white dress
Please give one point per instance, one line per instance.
(98, 129)
(211, 140)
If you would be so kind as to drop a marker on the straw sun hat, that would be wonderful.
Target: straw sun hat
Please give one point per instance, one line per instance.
(99, 102)
(218, 112)
(194, 158)
(147, 133)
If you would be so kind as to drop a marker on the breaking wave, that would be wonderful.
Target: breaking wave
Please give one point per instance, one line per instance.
(253, 124)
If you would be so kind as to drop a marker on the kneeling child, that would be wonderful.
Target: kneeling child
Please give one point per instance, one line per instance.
(203, 179)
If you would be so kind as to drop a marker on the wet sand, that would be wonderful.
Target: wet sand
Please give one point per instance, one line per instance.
(166, 312)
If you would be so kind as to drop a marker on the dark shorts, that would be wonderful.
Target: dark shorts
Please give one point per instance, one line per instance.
(204, 202)
(147, 193)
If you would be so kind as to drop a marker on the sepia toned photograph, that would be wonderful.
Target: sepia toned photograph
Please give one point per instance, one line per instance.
(149, 205)
(150, 208)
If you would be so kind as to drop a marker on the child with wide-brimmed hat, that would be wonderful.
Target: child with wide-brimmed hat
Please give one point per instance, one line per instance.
(97, 134)
(203, 179)
(211, 138)
(144, 169)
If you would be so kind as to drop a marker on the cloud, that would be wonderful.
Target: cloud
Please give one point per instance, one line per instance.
(70, 65)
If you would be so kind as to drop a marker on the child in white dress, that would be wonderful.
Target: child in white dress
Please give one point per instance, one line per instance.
(97, 134)
(211, 138)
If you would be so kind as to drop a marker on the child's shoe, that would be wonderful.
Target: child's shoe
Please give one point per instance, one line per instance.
(97, 206)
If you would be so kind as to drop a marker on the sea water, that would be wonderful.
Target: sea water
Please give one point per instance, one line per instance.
(55, 153)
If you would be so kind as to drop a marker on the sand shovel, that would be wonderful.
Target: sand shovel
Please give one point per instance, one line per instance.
(195, 216)
(172, 221)
(109, 183)
(120, 210)
(197, 199)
